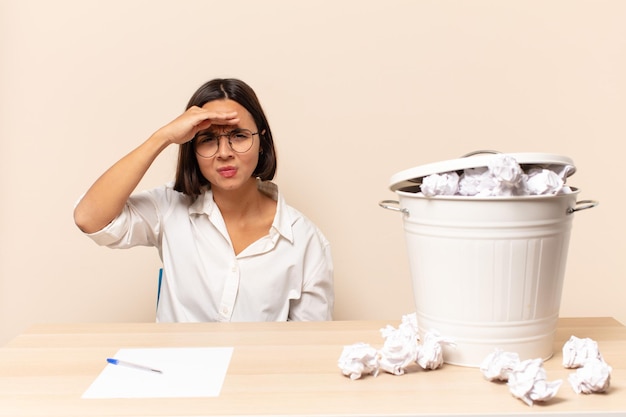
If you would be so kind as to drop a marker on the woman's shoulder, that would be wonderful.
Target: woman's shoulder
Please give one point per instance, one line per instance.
(164, 196)
(300, 222)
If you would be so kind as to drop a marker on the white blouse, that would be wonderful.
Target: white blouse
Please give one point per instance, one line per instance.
(286, 275)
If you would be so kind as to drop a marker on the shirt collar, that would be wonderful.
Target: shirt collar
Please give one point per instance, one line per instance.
(283, 221)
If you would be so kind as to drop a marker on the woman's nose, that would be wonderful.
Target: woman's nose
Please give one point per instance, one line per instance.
(223, 146)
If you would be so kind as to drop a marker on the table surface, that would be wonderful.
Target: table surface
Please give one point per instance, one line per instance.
(287, 369)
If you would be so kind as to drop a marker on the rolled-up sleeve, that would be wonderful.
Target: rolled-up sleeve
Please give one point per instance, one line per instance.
(138, 224)
(316, 301)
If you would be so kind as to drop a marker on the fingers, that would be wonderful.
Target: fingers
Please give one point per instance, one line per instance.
(221, 119)
(203, 119)
(225, 118)
(218, 118)
(195, 119)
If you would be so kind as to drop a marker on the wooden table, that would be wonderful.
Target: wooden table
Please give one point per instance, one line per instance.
(285, 369)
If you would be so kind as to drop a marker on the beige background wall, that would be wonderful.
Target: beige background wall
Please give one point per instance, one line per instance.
(355, 92)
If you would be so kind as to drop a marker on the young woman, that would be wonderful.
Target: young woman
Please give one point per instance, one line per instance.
(232, 249)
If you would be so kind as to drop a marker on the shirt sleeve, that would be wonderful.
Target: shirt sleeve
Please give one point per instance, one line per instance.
(139, 223)
(316, 302)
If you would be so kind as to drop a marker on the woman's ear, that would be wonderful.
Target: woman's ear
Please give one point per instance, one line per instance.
(261, 147)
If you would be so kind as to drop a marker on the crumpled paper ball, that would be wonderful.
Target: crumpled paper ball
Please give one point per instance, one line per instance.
(400, 347)
(357, 360)
(477, 182)
(398, 352)
(440, 184)
(594, 376)
(508, 176)
(528, 382)
(577, 351)
(430, 353)
(544, 182)
(409, 324)
(499, 364)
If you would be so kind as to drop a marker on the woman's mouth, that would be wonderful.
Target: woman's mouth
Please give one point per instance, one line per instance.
(227, 172)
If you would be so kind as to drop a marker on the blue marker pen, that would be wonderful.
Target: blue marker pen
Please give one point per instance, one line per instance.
(120, 362)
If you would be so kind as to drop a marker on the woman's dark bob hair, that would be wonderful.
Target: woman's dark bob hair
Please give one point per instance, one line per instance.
(189, 179)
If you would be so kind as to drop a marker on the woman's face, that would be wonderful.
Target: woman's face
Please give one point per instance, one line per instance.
(227, 169)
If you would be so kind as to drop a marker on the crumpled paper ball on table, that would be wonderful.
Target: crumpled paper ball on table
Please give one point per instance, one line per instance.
(430, 353)
(358, 359)
(592, 374)
(400, 349)
(528, 382)
(499, 364)
(577, 351)
(526, 379)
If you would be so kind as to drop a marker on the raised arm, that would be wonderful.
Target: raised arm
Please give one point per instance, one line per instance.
(106, 198)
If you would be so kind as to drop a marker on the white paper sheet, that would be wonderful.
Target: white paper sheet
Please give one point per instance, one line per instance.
(186, 372)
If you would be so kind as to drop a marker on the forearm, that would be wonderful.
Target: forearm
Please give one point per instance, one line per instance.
(106, 198)
(317, 299)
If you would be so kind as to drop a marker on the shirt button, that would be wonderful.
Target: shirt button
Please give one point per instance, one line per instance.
(225, 310)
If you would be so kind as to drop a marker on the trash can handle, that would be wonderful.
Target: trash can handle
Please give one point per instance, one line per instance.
(391, 205)
(479, 152)
(582, 205)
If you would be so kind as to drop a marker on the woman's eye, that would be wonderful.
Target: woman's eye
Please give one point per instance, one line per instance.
(206, 139)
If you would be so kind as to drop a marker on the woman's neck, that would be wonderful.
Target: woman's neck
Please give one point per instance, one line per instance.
(239, 202)
(247, 213)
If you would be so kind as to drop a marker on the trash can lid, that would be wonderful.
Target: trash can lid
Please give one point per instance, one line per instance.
(413, 176)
